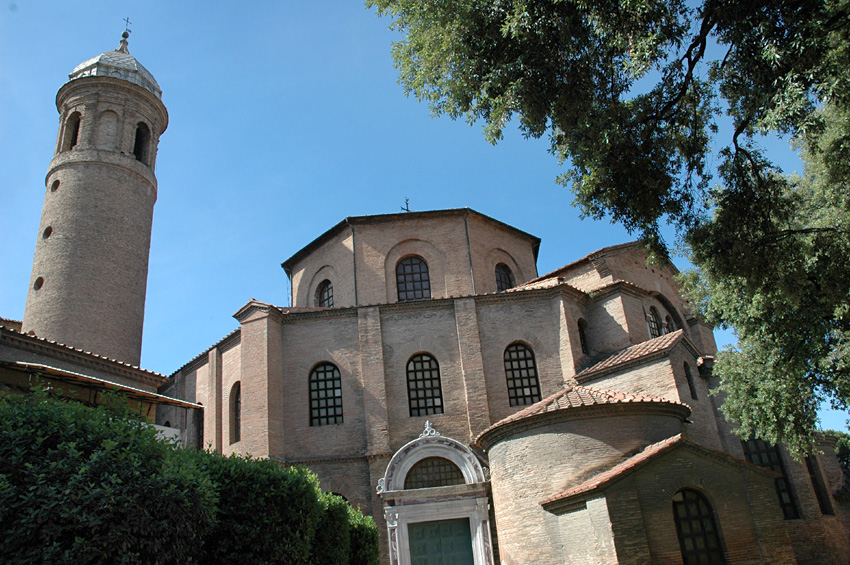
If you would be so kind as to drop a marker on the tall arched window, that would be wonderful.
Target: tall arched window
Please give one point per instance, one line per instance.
(433, 472)
(582, 336)
(699, 537)
(412, 279)
(654, 322)
(141, 147)
(504, 278)
(759, 452)
(72, 131)
(424, 391)
(521, 372)
(669, 326)
(325, 294)
(325, 395)
(236, 413)
(691, 384)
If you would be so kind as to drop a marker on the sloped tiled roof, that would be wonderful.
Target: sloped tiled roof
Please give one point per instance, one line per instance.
(588, 257)
(617, 470)
(635, 352)
(639, 459)
(35, 339)
(575, 397)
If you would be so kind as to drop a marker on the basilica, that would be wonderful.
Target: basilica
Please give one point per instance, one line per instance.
(482, 412)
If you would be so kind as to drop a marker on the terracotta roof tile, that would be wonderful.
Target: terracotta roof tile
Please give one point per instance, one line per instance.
(577, 396)
(635, 352)
(639, 459)
(83, 351)
(617, 470)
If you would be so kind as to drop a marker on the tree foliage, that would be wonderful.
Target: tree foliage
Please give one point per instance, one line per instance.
(630, 94)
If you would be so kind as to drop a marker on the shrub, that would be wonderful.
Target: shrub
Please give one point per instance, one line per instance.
(83, 485)
(364, 541)
(331, 546)
(267, 514)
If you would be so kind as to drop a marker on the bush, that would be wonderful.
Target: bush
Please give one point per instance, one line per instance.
(267, 513)
(332, 541)
(83, 485)
(364, 541)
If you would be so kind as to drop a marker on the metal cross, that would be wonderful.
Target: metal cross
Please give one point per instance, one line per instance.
(127, 26)
(406, 208)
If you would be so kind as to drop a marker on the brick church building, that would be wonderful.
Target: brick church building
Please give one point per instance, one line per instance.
(481, 412)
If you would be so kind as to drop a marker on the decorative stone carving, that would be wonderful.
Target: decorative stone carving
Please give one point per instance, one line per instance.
(380, 487)
(429, 430)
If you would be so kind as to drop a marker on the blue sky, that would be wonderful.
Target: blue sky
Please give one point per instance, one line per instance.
(285, 117)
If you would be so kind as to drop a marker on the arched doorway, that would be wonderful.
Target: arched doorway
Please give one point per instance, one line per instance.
(435, 503)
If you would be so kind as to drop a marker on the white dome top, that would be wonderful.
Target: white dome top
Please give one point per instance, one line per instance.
(119, 64)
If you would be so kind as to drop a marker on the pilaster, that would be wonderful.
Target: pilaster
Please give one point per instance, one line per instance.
(373, 380)
(472, 366)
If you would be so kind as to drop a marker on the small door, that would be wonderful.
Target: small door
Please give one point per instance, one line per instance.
(442, 542)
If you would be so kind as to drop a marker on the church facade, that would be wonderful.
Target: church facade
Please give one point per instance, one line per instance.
(429, 375)
(481, 412)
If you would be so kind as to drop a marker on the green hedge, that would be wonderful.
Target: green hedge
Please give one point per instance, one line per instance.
(83, 485)
(267, 514)
(79, 485)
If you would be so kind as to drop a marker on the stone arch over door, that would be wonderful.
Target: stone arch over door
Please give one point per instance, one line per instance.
(435, 505)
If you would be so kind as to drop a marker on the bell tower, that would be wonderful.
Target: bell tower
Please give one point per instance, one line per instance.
(90, 270)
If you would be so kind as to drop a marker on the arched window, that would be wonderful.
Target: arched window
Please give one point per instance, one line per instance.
(325, 395)
(424, 391)
(654, 322)
(691, 383)
(699, 537)
(669, 326)
(412, 279)
(236, 413)
(433, 472)
(521, 372)
(504, 278)
(759, 452)
(72, 131)
(325, 294)
(141, 147)
(582, 336)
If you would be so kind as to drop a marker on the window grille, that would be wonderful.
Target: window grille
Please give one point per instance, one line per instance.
(325, 395)
(699, 538)
(654, 323)
(325, 294)
(504, 278)
(759, 452)
(412, 279)
(433, 472)
(521, 372)
(424, 391)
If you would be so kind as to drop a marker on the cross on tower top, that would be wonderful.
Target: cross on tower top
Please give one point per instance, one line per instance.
(127, 23)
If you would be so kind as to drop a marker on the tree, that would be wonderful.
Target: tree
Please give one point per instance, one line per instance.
(630, 93)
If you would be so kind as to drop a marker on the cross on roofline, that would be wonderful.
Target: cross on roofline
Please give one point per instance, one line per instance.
(127, 23)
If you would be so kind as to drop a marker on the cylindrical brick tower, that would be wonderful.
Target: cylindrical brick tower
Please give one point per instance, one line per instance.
(90, 270)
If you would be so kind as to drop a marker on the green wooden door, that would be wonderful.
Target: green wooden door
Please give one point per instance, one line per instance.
(443, 542)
